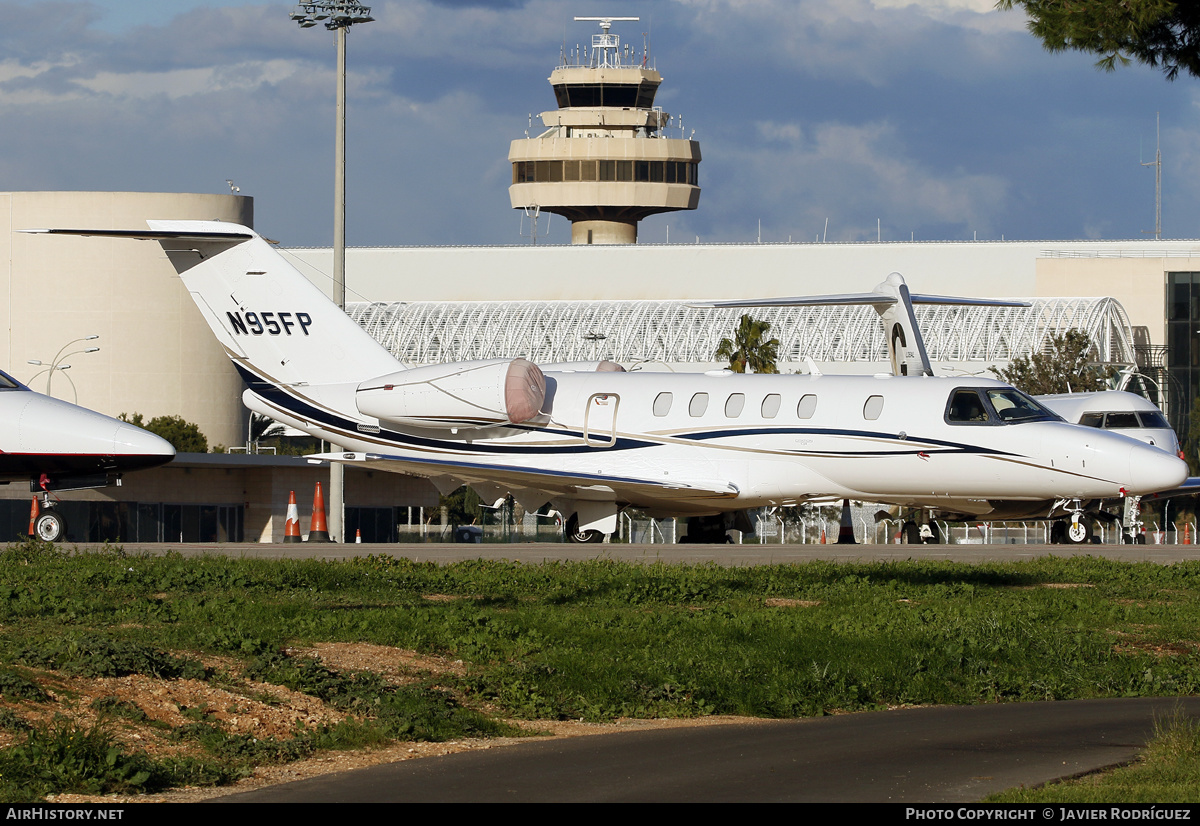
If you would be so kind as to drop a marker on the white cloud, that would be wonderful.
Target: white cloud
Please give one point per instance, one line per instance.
(856, 173)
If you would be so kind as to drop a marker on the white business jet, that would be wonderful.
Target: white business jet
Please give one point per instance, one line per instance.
(591, 443)
(59, 446)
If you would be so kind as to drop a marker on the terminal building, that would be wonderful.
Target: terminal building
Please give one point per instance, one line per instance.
(608, 158)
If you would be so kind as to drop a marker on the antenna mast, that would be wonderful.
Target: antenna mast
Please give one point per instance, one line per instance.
(1157, 164)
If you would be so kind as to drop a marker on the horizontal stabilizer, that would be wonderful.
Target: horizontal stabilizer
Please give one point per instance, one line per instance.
(851, 299)
(235, 233)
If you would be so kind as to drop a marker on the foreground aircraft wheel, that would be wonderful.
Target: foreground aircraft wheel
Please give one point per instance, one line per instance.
(912, 534)
(1058, 533)
(576, 535)
(1078, 533)
(50, 526)
(1140, 539)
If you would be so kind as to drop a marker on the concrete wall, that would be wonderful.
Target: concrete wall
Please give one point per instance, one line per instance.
(157, 356)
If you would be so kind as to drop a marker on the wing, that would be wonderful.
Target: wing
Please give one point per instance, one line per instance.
(527, 484)
(1190, 486)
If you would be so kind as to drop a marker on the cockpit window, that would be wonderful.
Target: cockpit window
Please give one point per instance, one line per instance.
(1012, 405)
(1121, 421)
(966, 406)
(1125, 420)
(1152, 418)
(7, 382)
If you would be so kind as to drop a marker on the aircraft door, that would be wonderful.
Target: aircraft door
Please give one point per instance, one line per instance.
(600, 420)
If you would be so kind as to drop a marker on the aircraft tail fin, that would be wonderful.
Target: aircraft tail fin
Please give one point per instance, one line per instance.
(894, 303)
(275, 325)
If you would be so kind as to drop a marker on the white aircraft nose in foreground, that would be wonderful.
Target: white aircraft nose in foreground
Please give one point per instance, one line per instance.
(60, 446)
(592, 443)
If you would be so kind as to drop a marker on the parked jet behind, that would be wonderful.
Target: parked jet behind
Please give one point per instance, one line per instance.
(58, 446)
(1128, 413)
(592, 443)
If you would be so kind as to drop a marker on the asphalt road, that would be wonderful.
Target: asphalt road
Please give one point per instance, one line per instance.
(749, 554)
(920, 755)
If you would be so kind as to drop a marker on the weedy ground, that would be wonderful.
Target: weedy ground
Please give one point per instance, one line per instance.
(127, 674)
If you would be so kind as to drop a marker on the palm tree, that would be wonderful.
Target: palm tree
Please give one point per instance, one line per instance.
(750, 351)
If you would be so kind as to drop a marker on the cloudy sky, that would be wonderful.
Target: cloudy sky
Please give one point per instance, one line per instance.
(940, 119)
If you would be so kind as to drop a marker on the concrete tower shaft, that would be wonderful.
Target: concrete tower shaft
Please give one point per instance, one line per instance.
(603, 162)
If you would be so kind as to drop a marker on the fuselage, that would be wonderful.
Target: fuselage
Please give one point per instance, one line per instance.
(775, 439)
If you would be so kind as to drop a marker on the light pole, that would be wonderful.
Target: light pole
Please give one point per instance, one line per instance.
(338, 16)
(56, 363)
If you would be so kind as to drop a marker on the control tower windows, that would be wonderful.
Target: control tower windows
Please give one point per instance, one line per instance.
(619, 95)
(669, 172)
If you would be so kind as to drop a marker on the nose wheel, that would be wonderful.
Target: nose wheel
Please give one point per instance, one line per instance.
(49, 526)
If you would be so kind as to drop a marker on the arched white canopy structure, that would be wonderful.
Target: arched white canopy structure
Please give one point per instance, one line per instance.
(673, 333)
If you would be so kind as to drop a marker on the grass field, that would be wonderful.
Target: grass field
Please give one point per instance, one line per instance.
(590, 640)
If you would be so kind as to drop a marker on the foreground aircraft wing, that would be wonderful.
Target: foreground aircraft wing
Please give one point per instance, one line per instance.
(452, 474)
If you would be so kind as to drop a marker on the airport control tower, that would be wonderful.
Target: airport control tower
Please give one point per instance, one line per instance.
(603, 161)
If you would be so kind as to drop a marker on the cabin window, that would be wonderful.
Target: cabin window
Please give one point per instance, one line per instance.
(734, 405)
(873, 408)
(807, 406)
(662, 404)
(966, 407)
(698, 404)
(770, 406)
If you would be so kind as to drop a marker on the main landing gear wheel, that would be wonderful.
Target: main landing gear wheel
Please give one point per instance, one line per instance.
(50, 526)
(576, 535)
(912, 533)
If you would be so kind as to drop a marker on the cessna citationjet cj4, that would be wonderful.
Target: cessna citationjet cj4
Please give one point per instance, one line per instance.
(58, 446)
(591, 443)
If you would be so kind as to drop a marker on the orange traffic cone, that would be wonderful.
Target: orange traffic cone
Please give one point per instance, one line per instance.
(1187, 533)
(291, 524)
(33, 515)
(357, 536)
(318, 532)
(846, 528)
(822, 536)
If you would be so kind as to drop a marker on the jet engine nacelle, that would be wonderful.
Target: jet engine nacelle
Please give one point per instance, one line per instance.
(459, 394)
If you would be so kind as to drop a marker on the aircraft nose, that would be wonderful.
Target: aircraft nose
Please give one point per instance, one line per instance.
(1152, 470)
(133, 441)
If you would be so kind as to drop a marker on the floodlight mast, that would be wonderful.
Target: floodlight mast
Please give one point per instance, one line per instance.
(339, 16)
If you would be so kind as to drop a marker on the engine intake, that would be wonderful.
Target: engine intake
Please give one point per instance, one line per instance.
(459, 394)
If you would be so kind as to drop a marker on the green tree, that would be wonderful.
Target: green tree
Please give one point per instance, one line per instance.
(1159, 33)
(183, 435)
(462, 507)
(750, 350)
(1061, 367)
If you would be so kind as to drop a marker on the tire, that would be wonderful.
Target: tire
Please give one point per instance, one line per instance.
(1140, 539)
(912, 533)
(1077, 533)
(50, 526)
(935, 537)
(583, 537)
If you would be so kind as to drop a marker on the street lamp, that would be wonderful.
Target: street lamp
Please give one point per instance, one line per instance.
(339, 16)
(56, 363)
